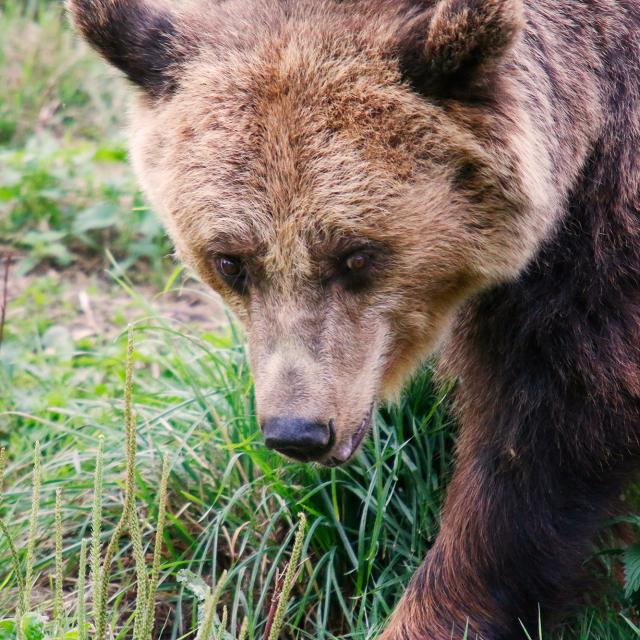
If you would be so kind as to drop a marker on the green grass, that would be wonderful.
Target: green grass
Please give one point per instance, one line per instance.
(67, 196)
(232, 501)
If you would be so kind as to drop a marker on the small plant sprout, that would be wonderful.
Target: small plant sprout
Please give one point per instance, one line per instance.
(209, 609)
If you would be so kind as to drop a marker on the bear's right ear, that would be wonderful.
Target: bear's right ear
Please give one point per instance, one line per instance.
(464, 41)
(134, 35)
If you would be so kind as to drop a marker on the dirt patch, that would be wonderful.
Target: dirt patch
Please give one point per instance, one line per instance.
(87, 303)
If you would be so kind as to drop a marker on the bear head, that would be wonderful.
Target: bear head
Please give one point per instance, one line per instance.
(345, 173)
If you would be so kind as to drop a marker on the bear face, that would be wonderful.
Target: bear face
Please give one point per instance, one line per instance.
(342, 201)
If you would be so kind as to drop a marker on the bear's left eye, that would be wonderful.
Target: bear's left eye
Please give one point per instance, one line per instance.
(355, 271)
(358, 262)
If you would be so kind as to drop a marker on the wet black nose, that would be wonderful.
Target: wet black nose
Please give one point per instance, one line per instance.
(296, 437)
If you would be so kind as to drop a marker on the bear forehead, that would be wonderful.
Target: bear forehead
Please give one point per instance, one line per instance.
(298, 133)
(281, 74)
(292, 87)
(295, 136)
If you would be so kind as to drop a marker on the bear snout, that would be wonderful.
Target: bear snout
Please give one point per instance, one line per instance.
(298, 438)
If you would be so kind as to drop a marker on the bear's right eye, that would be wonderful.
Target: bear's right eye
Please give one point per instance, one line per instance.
(233, 272)
(229, 267)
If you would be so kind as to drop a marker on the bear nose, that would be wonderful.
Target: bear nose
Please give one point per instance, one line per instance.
(297, 437)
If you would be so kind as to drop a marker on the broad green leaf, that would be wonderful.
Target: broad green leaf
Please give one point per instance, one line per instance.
(110, 154)
(99, 216)
(631, 560)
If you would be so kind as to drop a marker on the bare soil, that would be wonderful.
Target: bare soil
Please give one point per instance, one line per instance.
(86, 302)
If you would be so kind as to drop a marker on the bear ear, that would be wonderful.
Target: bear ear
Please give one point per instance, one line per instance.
(138, 37)
(465, 41)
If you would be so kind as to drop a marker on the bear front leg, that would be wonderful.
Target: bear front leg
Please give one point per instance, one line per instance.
(513, 542)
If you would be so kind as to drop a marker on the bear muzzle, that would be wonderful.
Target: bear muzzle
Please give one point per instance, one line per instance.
(298, 438)
(314, 441)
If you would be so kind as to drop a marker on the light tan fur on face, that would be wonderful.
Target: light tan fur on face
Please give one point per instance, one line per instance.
(292, 134)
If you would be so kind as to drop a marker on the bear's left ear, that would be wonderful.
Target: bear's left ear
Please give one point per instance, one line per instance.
(465, 40)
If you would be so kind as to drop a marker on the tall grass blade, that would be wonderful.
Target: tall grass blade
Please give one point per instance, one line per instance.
(223, 624)
(3, 464)
(96, 520)
(31, 538)
(635, 628)
(149, 616)
(136, 540)
(22, 591)
(289, 575)
(244, 629)
(82, 607)
(58, 607)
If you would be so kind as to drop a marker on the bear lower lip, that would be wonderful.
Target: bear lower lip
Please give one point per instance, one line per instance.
(295, 454)
(346, 451)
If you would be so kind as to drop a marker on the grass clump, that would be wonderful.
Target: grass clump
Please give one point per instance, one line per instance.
(33, 625)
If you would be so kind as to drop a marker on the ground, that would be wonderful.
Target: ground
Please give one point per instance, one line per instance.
(88, 259)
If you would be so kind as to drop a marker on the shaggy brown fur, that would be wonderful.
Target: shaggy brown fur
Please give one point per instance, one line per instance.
(478, 161)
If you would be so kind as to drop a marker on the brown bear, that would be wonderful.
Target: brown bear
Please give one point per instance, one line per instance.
(367, 182)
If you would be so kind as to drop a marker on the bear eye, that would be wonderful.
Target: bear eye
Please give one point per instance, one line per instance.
(229, 267)
(355, 271)
(358, 262)
(233, 271)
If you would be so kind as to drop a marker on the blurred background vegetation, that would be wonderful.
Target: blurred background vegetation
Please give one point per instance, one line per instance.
(84, 258)
(66, 192)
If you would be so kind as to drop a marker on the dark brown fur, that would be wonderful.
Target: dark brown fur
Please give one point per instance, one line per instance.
(487, 154)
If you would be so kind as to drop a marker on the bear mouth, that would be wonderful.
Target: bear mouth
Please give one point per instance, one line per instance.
(346, 450)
